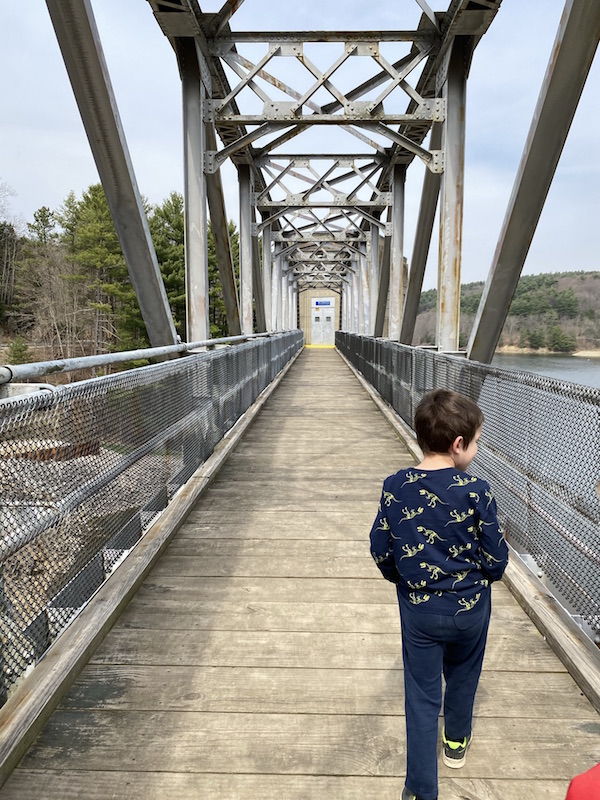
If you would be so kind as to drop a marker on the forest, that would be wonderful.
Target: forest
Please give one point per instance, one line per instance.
(64, 286)
(65, 290)
(556, 312)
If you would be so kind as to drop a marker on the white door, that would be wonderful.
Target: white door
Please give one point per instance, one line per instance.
(322, 329)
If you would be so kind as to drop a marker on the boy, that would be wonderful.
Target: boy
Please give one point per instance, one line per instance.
(437, 537)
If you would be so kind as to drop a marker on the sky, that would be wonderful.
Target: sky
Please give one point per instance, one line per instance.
(44, 153)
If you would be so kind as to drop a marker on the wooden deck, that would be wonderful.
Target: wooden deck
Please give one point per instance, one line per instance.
(261, 657)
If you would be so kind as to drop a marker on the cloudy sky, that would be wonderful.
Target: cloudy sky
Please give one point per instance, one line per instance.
(44, 152)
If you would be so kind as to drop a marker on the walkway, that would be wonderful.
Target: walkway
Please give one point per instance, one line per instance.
(261, 657)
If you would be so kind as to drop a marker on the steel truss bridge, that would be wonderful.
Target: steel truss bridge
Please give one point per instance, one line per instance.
(99, 475)
(321, 154)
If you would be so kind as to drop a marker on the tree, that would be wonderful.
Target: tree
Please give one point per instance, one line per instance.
(118, 321)
(42, 301)
(6, 191)
(18, 351)
(565, 303)
(43, 225)
(9, 253)
(217, 314)
(559, 341)
(168, 231)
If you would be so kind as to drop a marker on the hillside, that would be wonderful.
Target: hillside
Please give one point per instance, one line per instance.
(557, 311)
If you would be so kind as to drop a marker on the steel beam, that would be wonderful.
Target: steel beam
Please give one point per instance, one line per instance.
(384, 282)
(568, 68)
(428, 110)
(79, 41)
(246, 271)
(397, 253)
(276, 290)
(285, 297)
(267, 276)
(232, 38)
(196, 216)
(425, 221)
(373, 278)
(291, 321)
(257, 283)
(355, 320)
(222, 17)
(220, 231)
(365, 291)
(452, 198)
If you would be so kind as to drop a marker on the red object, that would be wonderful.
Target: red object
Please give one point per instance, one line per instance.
(585, 786)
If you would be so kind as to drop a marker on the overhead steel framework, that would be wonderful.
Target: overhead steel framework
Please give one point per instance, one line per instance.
(331, 214)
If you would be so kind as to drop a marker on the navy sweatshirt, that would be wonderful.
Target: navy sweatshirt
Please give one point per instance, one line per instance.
(437, 537)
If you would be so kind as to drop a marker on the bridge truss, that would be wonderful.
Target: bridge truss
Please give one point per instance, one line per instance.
(322, 127)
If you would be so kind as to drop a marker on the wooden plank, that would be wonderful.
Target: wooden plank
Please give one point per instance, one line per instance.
(307, 527)
(183, 610)
(332, 522)
(338, 567)
(309, 691)
(302, 744)
(275, 548)
(347, 494)
(279, 590)
(525, 650)
(239, 615)
(190, 786)
(288, 590)
(246, 467)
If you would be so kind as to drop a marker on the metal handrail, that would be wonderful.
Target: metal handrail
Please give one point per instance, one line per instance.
(20, 372)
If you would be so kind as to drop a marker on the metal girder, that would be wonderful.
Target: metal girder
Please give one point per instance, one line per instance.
(79, 41)
(267, 275)
(222, 17)
(293, 202)
(196, 217)
(220, 230)
(352, 110)
(384, 281)
(339, 236)
(451, 200)
(246, 254)
(397, 253)
(572, 55)
(374, 278)
(424, 229)
(353, 113)
(297, 37)
(257, 283)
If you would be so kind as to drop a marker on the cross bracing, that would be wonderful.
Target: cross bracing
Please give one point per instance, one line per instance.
(322, 126)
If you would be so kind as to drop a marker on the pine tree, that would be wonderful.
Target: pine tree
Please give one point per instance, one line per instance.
(167, 228)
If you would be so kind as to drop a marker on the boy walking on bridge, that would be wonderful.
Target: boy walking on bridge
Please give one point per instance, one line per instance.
(437, 538)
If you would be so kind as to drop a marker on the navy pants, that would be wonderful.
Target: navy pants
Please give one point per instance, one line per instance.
(432, 645)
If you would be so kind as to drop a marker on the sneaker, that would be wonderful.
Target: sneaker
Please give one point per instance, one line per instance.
(454, 754)
(408, 795)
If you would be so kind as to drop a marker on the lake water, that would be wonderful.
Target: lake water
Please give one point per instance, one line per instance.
(576, 369)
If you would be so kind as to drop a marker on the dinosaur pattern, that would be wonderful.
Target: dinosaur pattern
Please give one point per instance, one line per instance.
(437, 537)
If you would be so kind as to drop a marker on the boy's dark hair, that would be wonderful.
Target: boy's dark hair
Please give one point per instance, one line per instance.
(443, 415)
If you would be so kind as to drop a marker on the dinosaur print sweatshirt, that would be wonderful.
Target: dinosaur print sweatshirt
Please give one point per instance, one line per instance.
(437, 537)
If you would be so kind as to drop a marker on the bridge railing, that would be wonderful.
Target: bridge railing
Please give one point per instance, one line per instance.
(540, 451)
(87, 467)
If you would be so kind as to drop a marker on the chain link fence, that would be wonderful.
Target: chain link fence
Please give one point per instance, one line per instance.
(86, 468)
(540, 451)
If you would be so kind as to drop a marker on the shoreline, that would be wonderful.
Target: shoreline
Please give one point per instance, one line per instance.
(513, 349)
